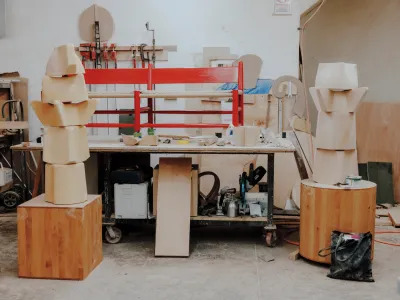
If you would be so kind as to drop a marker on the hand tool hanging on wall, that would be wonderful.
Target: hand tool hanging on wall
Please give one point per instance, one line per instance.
(153, 56)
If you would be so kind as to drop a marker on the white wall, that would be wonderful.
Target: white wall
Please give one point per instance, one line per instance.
(246, 26)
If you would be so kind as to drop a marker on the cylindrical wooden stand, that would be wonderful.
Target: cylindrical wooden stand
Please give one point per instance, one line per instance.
(325, 208)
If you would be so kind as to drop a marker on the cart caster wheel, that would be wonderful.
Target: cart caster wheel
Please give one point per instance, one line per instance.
(113, 235)
(11, 199)
(270, 238)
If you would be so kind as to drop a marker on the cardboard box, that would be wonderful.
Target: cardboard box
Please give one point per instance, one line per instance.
(337, 101)
(59, 242)
(64, 61)
(149, 140)
(336, 131)
(65, 184)
(331, 167)
(65, 89)
(65, 145)
(64, 114)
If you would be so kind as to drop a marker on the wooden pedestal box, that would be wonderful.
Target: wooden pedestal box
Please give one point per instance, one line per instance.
(59, 241)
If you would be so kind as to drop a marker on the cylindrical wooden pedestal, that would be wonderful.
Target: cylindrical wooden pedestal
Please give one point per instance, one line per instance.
(325, 208)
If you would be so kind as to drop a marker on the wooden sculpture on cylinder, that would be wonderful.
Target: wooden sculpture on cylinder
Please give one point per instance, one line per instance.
(336, 96)
(64, 110)
(326, 202)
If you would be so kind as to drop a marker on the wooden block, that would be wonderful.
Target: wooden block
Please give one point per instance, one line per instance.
(59, 242)
(64, 114)
(251, 135)
(65, 145)
(149, 140)
(64, 61)
(394, 216)
(173, 207)
(337, 76)
(326, 208)
(65, 184)
(331, 167)
(294, 255)
(238, 137)
(336, 131)
(337, 101)
(195, 190)
(64, 89)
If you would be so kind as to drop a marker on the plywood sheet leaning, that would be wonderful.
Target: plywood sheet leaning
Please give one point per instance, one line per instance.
(378, 136)
(331, 166)
(65, 184)
(64, 114)
(59, 241)
(64, 61)
(394, 216)
(251, 69)
(173, 207)
(65, 145)
(336, 131)
(65, 89)
(195, 190)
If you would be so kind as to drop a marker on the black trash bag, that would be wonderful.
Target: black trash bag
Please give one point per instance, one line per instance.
(350, 256)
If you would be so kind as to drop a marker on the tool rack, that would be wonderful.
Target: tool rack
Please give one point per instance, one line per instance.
(151, 76)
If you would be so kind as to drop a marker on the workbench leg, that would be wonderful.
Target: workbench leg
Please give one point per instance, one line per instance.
(270, 228)
(107, 188)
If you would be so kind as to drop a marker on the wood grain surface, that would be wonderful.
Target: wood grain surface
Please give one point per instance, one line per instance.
(378, 137)
(324, 209)
(59, 242)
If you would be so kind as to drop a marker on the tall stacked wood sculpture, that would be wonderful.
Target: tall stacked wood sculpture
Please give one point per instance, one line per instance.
(325, 206)
(64, 110)
(60, 231)
(336, 95)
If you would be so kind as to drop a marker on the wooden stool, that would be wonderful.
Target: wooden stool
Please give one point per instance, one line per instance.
(325, 208)
(59, 241)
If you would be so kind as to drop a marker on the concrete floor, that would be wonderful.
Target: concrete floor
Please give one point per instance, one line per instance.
(225, 263)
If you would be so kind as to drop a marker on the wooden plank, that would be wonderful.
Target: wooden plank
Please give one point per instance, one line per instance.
(173, 207)
(285, 146)
(394, 216)
(14, 125)
(378, 136)
(59, 242)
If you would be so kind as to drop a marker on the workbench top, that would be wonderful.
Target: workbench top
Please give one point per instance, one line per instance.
(284, 145)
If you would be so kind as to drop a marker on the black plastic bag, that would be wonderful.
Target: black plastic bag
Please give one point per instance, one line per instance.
(350, 256)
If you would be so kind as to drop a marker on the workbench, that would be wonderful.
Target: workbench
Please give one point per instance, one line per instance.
(106, 148)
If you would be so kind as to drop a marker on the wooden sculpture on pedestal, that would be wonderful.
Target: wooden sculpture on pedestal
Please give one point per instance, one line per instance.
(336, 96)
(326, 205)
(60, 231)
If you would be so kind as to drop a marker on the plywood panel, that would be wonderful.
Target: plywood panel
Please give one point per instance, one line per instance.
(59, 242)
(173, 207)
(195, 190)
(324, 209)
(378, 137)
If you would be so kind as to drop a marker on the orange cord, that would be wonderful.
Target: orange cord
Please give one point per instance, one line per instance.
(376, 240)
(384, 242)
